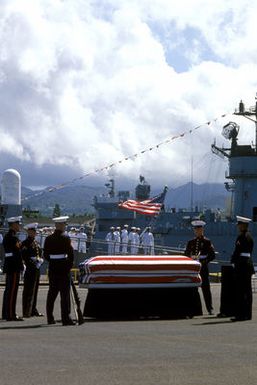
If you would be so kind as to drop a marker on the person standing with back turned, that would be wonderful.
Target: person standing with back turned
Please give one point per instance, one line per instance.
(59, 254)
(243, 271)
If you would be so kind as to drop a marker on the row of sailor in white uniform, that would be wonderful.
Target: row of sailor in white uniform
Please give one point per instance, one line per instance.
(124, 242)
(78, 237)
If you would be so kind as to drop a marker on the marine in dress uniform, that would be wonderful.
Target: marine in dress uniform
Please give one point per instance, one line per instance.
(59, 254)
(12, 268)
(32, 258)
(202, 249)
(243, 271)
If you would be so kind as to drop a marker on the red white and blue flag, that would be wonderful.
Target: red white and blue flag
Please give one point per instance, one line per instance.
(151, 206)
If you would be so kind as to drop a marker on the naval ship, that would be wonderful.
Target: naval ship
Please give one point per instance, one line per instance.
(172, 229)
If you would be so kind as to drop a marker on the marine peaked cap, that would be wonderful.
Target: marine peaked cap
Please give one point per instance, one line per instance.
(242, 219)
(198, 223)
(61, 219)
(14, 219)
(31, 226)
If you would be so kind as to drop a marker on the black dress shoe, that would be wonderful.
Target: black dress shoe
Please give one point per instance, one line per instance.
(236, 319)
(69, 323)
(51, 322)
(221, 315)
(16, 318)
(37, 314)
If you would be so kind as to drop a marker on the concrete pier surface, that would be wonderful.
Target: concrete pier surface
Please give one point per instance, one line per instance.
(203, 350)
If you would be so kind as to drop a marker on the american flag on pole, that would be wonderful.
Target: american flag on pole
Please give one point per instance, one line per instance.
(147, 207)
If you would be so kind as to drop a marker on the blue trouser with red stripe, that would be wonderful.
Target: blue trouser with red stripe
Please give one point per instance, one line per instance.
(10, 295)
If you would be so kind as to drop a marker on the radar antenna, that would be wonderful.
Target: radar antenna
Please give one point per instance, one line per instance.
(252, 111)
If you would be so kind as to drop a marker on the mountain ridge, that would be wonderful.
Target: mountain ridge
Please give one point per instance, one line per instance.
(77, 199)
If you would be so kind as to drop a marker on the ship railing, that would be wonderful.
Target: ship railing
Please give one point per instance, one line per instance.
(101, 246)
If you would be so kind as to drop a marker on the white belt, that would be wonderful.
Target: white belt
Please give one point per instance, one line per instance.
(8, 254)
(58, 256)
(202, 256)
(245, 255)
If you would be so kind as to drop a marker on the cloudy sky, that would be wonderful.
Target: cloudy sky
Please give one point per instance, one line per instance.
(84, 84)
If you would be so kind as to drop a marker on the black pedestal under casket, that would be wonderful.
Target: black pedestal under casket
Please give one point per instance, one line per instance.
(142, 303)
(227, 295)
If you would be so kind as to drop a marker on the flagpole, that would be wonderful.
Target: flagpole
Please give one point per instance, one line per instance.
(192, 187)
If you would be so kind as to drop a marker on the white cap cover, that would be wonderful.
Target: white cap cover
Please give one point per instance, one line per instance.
(14, 219)
(242, 219)
(198, 223)
(30, 226)
(61, 219)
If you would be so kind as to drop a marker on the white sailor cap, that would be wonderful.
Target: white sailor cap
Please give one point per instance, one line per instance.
(118, 228)
(198, 223)
(14, 219)
(138, 228)
(242, 219)
(125, 226)
(133, 228)
(31, 226)
(61, 219)
(112, 228)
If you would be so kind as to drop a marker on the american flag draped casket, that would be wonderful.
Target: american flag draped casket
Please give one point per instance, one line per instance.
(140, 271)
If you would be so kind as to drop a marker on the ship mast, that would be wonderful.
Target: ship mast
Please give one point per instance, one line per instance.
(252, 111)
(111, 189)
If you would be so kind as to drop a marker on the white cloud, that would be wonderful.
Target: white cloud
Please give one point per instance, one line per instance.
(85, 84)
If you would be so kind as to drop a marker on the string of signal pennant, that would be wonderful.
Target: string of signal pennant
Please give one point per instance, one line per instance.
(130, 157)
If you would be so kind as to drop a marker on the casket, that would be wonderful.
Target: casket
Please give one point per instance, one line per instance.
(141, 271)
(163, 286)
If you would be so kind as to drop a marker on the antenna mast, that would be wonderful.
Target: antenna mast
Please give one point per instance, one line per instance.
(192, 187)
(252, 111)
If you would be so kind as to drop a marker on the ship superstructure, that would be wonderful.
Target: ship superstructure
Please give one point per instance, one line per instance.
(109, 214)
(172, 228)
(242, 167)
